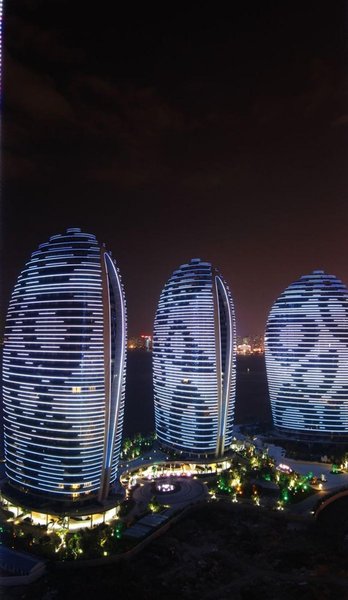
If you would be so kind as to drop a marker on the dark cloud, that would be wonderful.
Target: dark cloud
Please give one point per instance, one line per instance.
(33, 94)
(195, 127)
(341, 120)
(214, 135)
(45, 44)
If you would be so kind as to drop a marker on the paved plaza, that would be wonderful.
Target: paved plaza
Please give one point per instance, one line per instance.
(187, 490)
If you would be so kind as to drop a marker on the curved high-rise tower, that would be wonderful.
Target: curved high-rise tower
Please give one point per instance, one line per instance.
(306, 347)
(194, 361)
(64, 371)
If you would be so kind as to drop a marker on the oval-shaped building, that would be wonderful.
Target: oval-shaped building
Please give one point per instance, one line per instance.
(64, 365)
(194, 361)
(306, 347)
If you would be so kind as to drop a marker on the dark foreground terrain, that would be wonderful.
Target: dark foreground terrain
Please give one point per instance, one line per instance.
(219, 551)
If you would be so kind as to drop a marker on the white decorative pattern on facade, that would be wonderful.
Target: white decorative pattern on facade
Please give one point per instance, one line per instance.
(306, 347)
(64, 370)
(194, 368)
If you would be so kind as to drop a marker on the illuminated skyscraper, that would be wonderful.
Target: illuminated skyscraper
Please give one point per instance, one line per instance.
(194, 361)
(64, 370)
(306, 347)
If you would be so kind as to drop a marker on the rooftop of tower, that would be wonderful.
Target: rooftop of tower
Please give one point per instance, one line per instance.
(194, 262)
(316, 277)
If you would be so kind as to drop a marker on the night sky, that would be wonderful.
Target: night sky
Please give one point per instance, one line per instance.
(194, 134)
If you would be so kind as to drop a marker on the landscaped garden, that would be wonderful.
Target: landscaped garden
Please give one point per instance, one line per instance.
(251, 476)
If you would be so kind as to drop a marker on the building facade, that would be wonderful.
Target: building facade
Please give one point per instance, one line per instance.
(306, 346)
(194, 361)
(64, 363)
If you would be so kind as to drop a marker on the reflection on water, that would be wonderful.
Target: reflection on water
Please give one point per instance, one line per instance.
(252, 402)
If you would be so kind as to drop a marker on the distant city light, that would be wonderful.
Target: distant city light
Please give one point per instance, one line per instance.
(250, 345)
(142, 342)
